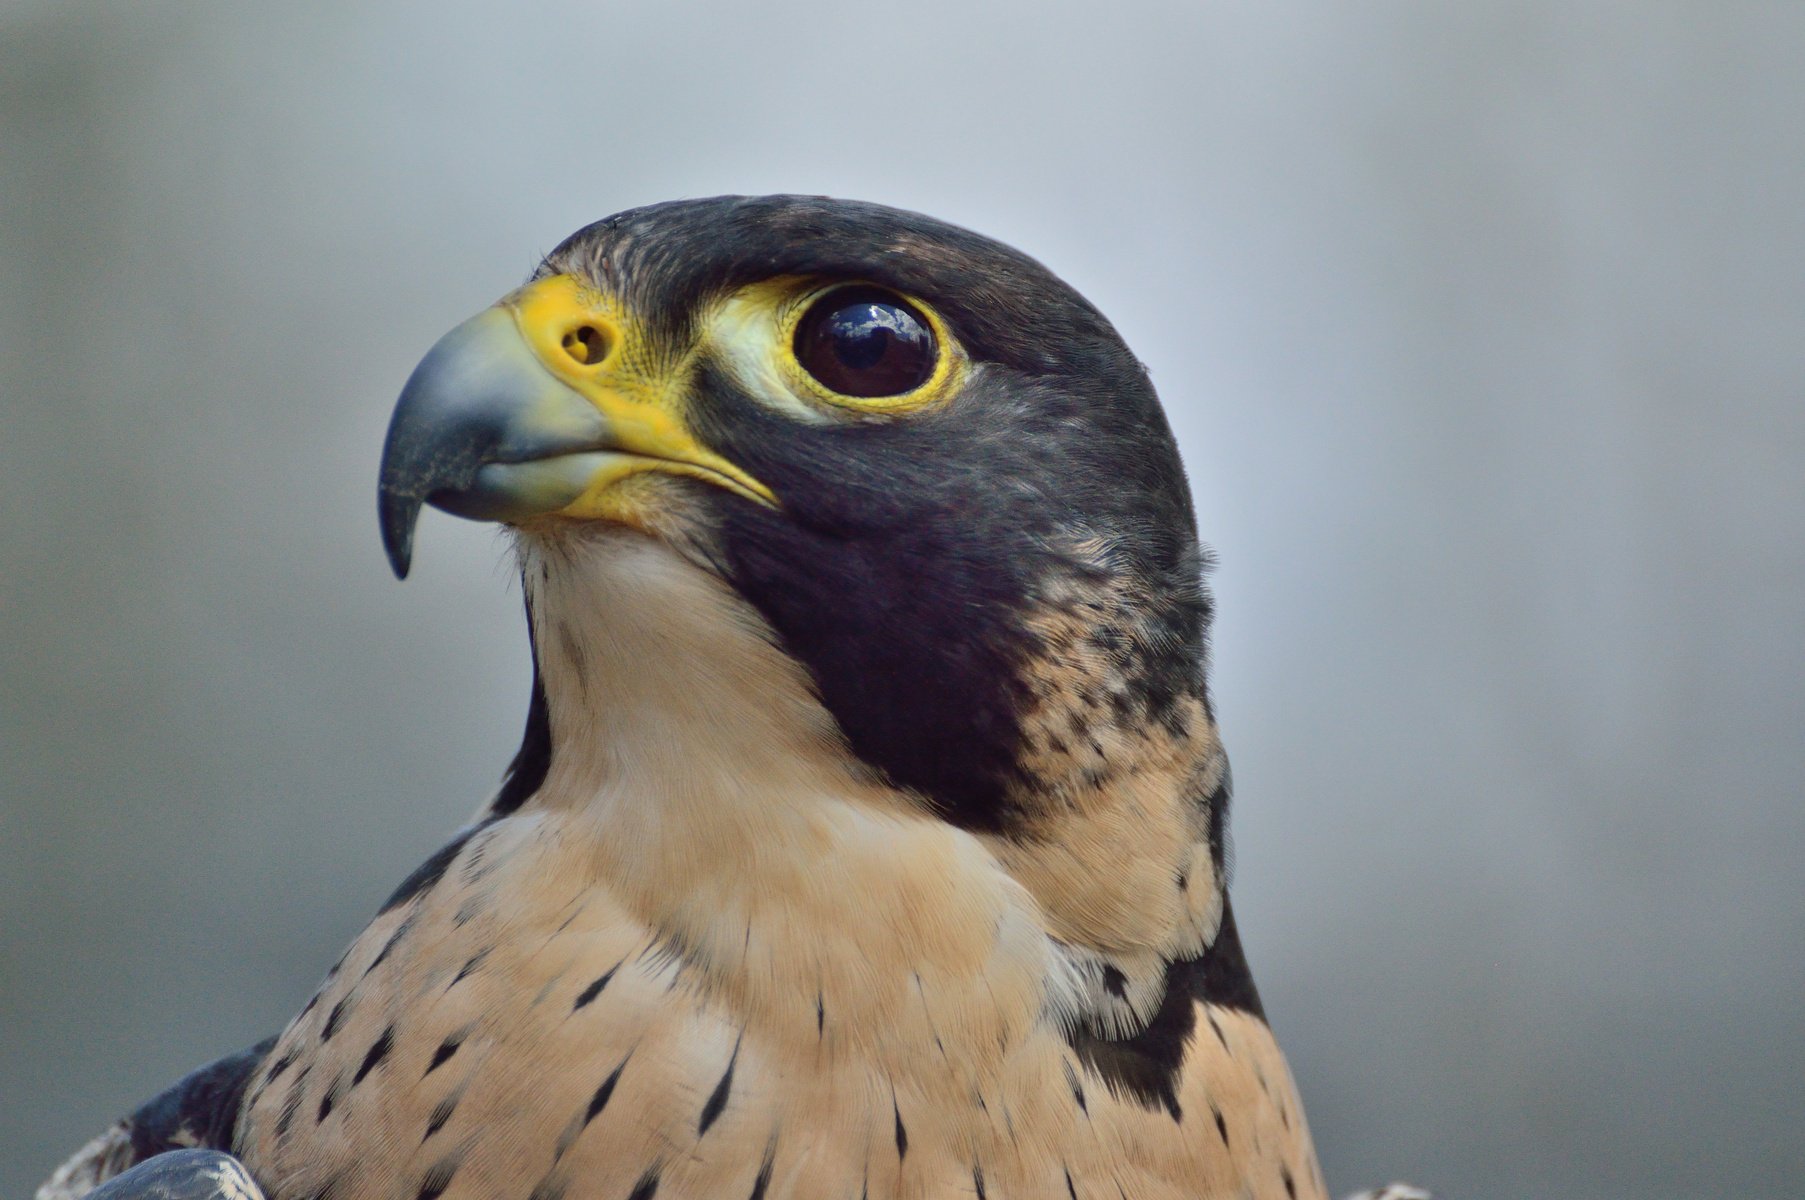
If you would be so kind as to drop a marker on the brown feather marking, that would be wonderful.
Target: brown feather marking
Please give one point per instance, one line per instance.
(379, 1050)
(938, 978)
(438, 1177)
(441, 1113)
(446, 1049)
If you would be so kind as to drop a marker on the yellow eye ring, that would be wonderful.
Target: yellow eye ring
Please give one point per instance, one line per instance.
(867, 348)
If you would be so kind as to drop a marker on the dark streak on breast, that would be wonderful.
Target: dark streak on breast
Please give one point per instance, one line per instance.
(334, 1018)
(1071, 1078)
(327, 1190)
(647, 1187)
(470, 964)
(378, 1051)
(327, 1101)
(291, 1103)
(441, 1113)
(600, 1100)
(280, 1065)
(717, 1100)
(438, 1178)
(549, 1188)
(594, 989)
(764, 1176)
(446, 1049)
(394, 939)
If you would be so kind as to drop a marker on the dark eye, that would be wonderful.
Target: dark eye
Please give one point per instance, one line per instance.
(863, 341)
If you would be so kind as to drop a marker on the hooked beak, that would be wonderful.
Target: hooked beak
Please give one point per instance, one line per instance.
(526, 410)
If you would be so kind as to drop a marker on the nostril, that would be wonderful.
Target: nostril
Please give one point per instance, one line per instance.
(586, 344)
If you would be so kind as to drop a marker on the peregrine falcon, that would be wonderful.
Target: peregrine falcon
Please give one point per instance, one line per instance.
(867, 837)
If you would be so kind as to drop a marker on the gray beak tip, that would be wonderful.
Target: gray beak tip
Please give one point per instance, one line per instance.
(479, 397)
(398, 514)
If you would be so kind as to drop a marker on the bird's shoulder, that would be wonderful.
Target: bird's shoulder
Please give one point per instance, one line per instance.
(199, 1111)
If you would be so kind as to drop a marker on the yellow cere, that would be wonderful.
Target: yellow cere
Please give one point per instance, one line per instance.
(589, 341)
(753, 333)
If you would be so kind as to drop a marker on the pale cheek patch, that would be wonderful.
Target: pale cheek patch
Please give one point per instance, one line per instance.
(745, 336)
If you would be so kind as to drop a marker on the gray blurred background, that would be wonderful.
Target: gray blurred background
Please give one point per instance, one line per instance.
(1483, 329)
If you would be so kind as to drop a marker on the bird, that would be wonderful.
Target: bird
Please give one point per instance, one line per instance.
(868, 836)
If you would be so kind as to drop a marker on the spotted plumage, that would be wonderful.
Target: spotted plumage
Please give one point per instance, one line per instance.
(867, 836)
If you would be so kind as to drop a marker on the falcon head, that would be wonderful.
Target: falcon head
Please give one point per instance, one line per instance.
(907, 458)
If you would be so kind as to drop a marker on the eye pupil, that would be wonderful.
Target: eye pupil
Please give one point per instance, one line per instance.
(859, 343)
(866, 342)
